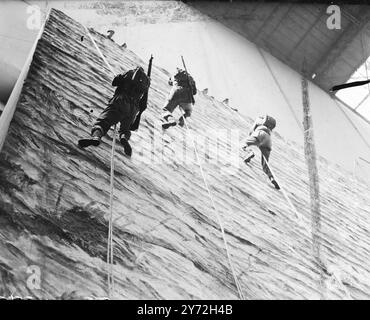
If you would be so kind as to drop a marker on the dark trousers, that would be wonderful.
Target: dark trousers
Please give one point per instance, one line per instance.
(178, 96)
(120, 109)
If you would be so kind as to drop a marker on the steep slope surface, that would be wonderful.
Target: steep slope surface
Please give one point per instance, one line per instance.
(54, 198)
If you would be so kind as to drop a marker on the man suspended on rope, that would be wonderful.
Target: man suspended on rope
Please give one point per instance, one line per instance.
(126, 107)
(260, 136)
(181, 94)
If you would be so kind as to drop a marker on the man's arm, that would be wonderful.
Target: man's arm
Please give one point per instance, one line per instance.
(143, 103)
(257, 138)
(192, 85)
(264, 159)
(254, 126)
(252, 140)
(260, 120)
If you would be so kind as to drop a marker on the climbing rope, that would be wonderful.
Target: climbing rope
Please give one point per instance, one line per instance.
(110, 227)
(365, 140)
(238, 286)
(280, 89)
(110, 254)
(298, 123)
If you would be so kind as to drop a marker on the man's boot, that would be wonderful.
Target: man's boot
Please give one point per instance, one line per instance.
(273, 181)
(181, 121)
(126, 145)
(169, 121)
(93, 141)
(249, 157)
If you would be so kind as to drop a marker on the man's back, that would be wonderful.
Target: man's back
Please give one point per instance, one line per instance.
(133, 83)
(182, 79)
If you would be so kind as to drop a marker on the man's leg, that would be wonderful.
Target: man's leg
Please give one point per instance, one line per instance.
(124, 137)
(187, 109)
(173, 100)
(129, 116)
(170, 104)
(264, 159)
(109, 117)
(106, 119)
(126, 134)
(251, 141)
(168, 119)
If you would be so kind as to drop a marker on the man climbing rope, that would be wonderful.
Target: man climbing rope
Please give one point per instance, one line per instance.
(181, 94)
(260, 136)
(126, 107)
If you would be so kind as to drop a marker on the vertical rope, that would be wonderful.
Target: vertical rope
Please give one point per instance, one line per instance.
(100, 53)
(364, 139)
(110, 254)
(238, 286)
(299, 124)
(110, 227)
(311, 162)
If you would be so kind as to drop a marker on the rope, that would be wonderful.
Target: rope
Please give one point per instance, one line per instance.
(110, 254)
(238, 286)
(110, 227)
(101, 54)
(351, 122)
(281, 89)
(298, 123)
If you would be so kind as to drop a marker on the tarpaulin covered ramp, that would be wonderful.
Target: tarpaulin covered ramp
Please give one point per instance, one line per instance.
(54, 198)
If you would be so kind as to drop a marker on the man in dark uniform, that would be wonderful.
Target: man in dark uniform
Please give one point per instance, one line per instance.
(126, 107)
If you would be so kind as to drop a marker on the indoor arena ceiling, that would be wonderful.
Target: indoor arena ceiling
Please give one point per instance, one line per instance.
(294, 32)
